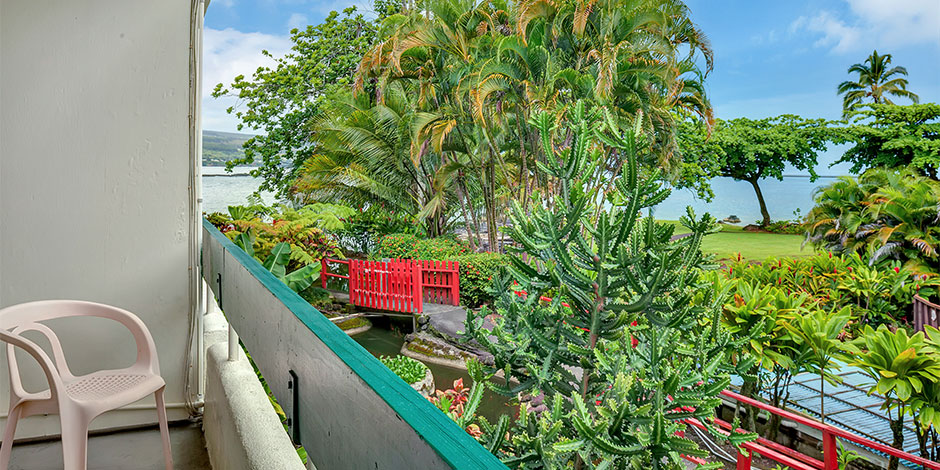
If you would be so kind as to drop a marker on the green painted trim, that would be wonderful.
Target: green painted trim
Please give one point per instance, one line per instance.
(453, 444)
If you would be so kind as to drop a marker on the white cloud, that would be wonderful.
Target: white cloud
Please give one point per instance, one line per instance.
(874, 23)
(298, 21)
(226, 54)
(900, 22)
(835, 33)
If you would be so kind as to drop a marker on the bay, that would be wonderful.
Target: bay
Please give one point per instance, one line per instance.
(221, 189)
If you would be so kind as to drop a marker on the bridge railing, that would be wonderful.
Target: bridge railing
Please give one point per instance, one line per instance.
(440, 281)
(397, 285)
(799, 461)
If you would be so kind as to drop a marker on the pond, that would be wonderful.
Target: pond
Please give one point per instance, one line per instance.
(386, 338)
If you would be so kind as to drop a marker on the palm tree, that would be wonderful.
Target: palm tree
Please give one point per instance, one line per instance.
(889, 214)
(875, 82)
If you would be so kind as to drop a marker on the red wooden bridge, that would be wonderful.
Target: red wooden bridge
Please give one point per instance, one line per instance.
(396, 285)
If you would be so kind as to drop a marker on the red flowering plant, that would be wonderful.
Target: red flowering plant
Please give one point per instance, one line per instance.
(460, 403)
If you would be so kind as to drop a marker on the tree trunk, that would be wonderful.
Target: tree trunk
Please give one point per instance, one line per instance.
(822, 397)
(765, 216)
(490, 200)
(463, 213)
(897, 429)
(922, 435)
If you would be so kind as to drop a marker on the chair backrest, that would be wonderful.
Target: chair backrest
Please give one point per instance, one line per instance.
(27, 316)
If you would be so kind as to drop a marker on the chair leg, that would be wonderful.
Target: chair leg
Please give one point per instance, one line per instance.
(74, 441)
(164, 429)
(6, 448)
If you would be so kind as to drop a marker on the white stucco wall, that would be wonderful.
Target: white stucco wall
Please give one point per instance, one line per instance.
(94, 161)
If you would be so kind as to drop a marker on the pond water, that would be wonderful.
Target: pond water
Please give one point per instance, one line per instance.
(385, 339)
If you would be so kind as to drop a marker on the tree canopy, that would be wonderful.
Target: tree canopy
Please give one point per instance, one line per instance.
(751, 150)
(895, 136)
(281, 102)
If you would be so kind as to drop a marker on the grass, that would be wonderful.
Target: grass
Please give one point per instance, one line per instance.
(752, 246)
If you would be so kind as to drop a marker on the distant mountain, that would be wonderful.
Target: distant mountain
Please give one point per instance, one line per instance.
(220, 147)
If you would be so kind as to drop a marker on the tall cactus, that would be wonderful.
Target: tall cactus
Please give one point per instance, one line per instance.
(629, 345)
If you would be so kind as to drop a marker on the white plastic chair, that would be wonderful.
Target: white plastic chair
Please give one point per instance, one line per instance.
(77, 400)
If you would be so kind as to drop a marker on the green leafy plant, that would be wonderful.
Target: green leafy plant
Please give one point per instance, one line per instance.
(276, 262)
(819, 332)
(607, 401)
(410, 370)
(478, 274)
(900, 365)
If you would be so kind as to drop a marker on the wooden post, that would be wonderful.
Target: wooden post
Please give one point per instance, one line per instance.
(744, 461)
(323, 272)
(455, 284)
(830, 451)
(418, 298)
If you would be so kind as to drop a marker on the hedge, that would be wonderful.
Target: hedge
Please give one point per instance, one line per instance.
(408, 246)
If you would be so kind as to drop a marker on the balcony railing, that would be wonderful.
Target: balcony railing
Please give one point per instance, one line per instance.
(345, 407)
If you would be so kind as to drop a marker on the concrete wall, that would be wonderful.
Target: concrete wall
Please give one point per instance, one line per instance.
(94, 165)
(242, 430)
(351, 411)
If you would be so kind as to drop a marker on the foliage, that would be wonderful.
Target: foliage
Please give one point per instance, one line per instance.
(276, 262)
(895, 136)
(410, 370)
(460, 403)
(819, 333)
(874, 83)
(900, 366)
(364, 227)
(327, 217)
(480, 71)
(607, 401)
(750, 150)
(885, 214)
(829, 281)
(407, 246)
(478, 274)
(280, 102)
(786, 227)
(363, 156)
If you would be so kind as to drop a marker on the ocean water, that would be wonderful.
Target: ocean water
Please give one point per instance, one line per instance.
(220, 190)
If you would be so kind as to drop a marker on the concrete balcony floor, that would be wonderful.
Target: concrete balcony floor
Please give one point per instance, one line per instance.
(138, 449)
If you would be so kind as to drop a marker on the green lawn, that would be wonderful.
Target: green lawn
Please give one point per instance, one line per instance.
(753, 246)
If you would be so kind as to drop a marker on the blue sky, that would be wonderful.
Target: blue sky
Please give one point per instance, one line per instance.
(771, 58)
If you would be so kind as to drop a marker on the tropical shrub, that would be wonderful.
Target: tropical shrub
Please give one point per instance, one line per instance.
(364, 227)
(786, 227)
(606, 268)
(884, 215)
(408, 246)
(881, 294)
(900, 367)
(277, 261)
(309, 244)
(410, 370)
(478, 272)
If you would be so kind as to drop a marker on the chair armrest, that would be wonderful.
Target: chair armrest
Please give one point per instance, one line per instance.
(48, 367)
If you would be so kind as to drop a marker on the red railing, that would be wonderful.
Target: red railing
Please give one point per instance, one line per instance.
(925, 313)
(440, 281)
(398, 285)
(797, 460)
